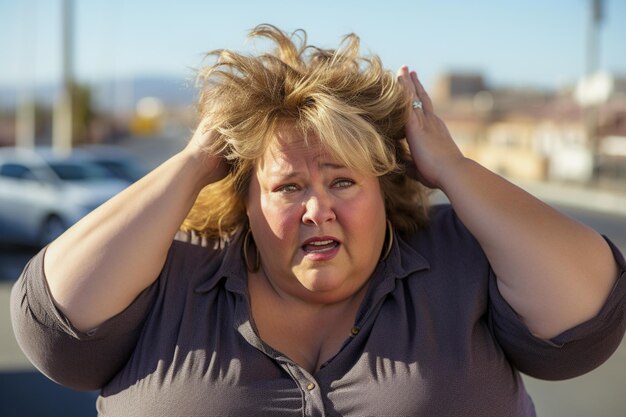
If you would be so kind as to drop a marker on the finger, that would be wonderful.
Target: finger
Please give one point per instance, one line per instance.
(421, 93)
(405, 79)
(404, 76)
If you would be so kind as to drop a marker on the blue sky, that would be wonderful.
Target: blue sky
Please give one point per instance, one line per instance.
(518, 43)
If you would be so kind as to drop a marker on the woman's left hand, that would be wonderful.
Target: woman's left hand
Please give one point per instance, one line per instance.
(556, 273)
(432, 147)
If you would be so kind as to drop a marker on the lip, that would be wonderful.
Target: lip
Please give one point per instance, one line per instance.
(324, 255)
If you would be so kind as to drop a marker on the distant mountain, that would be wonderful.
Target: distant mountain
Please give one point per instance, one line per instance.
(124, 94)
(119, 94)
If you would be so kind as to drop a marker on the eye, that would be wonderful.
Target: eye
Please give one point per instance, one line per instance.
(343, 183)
(287, 188)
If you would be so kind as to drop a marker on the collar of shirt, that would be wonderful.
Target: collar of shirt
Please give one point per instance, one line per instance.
(402, 261)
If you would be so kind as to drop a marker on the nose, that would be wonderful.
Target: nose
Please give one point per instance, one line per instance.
(318, 208)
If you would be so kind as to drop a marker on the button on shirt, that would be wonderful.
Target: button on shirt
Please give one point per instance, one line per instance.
(433, 337)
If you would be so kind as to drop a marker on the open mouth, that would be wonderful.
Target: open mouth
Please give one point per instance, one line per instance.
(320, 246)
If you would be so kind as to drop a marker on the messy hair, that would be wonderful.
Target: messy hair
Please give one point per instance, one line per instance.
(351, 104)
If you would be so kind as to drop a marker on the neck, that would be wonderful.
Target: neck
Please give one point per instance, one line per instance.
(314, 304)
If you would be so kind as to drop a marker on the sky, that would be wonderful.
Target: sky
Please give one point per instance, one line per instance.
(518, 43)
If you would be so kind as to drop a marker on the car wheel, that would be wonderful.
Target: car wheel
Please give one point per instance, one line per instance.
(51, 228)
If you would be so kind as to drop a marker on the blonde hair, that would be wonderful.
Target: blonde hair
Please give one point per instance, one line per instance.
(354, 107)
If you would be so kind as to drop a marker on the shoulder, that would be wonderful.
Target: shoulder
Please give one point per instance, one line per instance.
(453, 254)
(443, 219)
(202, 262)
(188, 249)
(193, 238)
(193, 258)
(444, 232)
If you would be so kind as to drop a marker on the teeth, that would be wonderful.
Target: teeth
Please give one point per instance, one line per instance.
(320, 246)
(321, 242)
(320, 250)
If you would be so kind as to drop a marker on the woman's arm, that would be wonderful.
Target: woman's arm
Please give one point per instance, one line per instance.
(99, 266)
(554, 272)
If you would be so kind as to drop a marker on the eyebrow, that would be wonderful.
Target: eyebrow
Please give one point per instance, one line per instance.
(332, 165)
(323, 165)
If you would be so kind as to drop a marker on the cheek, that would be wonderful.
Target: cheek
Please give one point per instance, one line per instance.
(369, 205)
(266, 218)
(281, 220)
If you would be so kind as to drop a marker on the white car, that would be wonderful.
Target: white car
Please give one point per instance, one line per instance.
(42, 194)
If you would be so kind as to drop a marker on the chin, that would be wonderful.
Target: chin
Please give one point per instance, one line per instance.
(326, 291)
(317, 285)
(327, 284)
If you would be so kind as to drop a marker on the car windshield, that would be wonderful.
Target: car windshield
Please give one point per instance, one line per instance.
(84, 171)
(124, 169)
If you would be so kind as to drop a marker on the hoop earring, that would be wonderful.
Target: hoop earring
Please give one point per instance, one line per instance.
(257, 261)
(388, 241)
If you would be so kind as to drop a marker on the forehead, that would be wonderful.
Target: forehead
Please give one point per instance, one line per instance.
(290, 150)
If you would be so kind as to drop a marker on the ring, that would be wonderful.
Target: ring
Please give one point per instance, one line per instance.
(417, 104)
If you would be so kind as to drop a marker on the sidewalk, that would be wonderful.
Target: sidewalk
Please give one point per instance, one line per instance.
(568, 195)
(579, 196)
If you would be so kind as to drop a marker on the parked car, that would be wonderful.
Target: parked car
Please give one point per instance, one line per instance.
(116, 160)
(42, 194)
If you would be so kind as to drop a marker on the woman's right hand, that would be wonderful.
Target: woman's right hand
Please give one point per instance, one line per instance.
(215, 166)
(126, 240)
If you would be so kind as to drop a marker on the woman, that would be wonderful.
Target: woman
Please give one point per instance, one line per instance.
(308, 279)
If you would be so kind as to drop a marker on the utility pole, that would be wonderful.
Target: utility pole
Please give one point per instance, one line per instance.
(25, 118)
(62, 131)
(593, 36)
(590, 114)
(25, 110)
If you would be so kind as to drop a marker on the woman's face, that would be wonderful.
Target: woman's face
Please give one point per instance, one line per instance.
(319, 226)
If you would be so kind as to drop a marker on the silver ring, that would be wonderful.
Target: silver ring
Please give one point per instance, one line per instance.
(417, 104)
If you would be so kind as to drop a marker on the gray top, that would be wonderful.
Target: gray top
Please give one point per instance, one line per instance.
(433, 338)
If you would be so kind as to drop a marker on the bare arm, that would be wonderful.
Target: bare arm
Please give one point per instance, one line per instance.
(100, 265)
(555, 272)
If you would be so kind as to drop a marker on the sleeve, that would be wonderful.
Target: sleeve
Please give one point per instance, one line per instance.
(573, 352)
(78, 360)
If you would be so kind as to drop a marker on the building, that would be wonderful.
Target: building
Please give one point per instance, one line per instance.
(533, 134)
